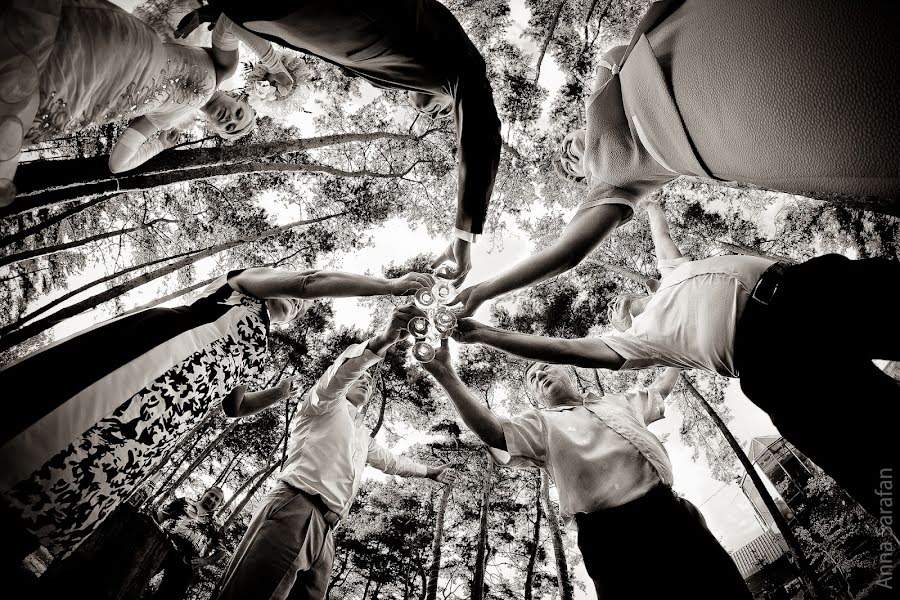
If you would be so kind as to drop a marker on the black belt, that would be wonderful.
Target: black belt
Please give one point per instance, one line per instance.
(331, 518)
(764, 293)
(766, 288)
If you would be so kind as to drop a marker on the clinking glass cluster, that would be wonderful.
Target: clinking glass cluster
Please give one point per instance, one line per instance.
(438, 324)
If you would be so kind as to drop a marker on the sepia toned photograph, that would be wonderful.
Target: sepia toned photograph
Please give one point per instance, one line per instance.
(449, 299)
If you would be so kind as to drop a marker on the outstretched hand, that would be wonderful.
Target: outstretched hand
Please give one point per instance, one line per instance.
(457, 252)
(193, 19)
(281, 79)
(170, 137)
(471, 300)
(399, 321)
(441, 361)
(288, 387)
(411, 283)
(466, 329)
(444, 473)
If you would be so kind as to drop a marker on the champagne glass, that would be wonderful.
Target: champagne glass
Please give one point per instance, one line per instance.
(423, 351)
(444, 271)
(425, 299)
(444, 322)
(443, 291)
(418, 327)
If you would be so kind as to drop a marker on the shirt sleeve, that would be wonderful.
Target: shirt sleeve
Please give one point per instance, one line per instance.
(667, 265)
(647, 403)
(526, 441)
(600, 193)
(478, 134)
(333, 385)
(636, 352)
(386, 461)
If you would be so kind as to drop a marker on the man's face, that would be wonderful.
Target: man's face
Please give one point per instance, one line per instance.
(211, 499)
(358, 394)
(551, 383)
(436, 107)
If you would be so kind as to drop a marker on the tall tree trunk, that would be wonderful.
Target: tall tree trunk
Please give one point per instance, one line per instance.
(807, 575)
(532, 547)
(435, 568)
(171, 296)
(224, 473)
(46, 183)
(164, 493)
(619, 270)
(11, 259)
(240, 507)
(42, 325)
(87, 286)
(44, 224)
(477, 591)
(739, 248)
(550, 31)
(566, 592)
(267, 468)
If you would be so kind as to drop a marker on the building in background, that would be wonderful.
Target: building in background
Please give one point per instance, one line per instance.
(840, 538)
(765, 567)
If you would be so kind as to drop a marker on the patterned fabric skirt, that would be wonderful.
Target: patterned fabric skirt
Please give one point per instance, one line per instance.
(97, 411)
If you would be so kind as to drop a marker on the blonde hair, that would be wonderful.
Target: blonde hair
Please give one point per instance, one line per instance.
(231, 136)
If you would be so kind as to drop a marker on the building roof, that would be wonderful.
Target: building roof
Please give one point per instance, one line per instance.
(756, 554)
(759, 445)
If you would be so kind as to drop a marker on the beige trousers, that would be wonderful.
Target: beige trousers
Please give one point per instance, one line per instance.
(286, 552)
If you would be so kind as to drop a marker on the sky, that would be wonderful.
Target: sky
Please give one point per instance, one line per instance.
(726, 509)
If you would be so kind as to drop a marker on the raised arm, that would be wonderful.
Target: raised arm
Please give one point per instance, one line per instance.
(134, 147)
(241, 403)
(226, 36)
(665, 383)
(266, 282)
(475, 415)
(659, 230)
(582, 235)
(592, 353)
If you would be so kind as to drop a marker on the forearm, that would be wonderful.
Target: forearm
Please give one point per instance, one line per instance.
(255, 402)
(583, 352)
(659, 231)
(547, 263)
(587, 229)
(133, 149)
(666, 382)
(337, 284)
(266, 282)
(475, 415)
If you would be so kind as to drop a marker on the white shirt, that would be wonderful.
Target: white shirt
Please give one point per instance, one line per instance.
(594, 467)
(691, 320)
(328, 448)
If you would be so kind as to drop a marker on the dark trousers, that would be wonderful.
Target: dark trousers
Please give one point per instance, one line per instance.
(657, 546)
(178, 574)
(806, 359)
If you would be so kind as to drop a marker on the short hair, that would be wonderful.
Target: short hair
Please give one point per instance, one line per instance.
(621, 324)
(216, 488)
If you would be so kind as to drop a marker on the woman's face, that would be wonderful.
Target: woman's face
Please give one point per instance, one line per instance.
(228, 114)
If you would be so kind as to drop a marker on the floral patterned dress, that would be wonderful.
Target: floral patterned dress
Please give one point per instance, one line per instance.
(93, 63)
(105, 405)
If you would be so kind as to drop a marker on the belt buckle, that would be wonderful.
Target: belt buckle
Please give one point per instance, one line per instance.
(760, 300)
